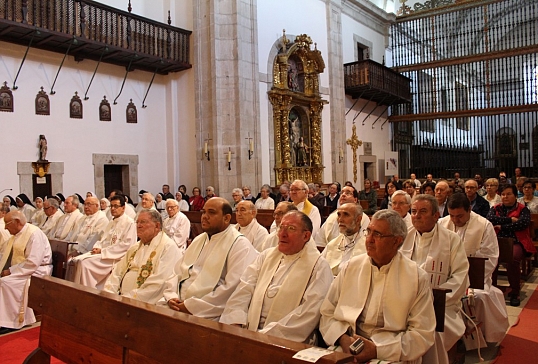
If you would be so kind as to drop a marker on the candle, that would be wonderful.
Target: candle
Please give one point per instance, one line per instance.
(341, 152)
(205, 148)
(229, 156)
(251, 145)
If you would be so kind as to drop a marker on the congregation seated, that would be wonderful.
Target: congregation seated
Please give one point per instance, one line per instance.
(129, 209)
(401, 203)
(441, 254)
(245, 214)
(331, 200)
(479, 240)
(528, 198)
(183, 204)
(25, 206)
(299, 197)
(69, 221)
(209, 271)
(442, 191)
(369, 194)
(196, 201)
(330, 230)
(39, 215)
(428, 188)
(142, 271)
(393, 311)
(390, 188)
(91, 269)
(10, 202)
(281, 292)
(351, 240)
(177, 226)
(247, 195)
(4, 234)
(493, 198)
(478, 203)
(27, 253)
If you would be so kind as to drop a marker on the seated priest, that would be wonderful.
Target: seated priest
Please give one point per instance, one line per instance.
(51, 206)
(93, 268)
(177, 226)
(330, 229)
(282, 208)
(299, 196)
(27, 253)
(209, 271)
(245, 214)
(350, 242)
(68, 221)
(281, 292)
(392, 312)
(479, 240)
(141, 273)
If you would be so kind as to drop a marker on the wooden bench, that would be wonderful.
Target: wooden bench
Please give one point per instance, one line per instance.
(477, 270)
(60, 250)
(83, 325)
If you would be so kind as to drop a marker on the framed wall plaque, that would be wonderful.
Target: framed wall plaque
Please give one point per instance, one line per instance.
(75, 107)
(6, 98)
(42, 104)
(105, 113)
(131, 113)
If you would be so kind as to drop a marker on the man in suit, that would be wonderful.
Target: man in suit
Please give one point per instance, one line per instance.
(478, 203)
(442, 190)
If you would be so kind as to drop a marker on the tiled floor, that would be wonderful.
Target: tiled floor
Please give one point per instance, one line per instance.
(527, 289)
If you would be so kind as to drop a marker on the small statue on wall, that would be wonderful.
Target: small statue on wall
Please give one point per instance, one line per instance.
(105, 113)
(75, 107)
(42, 104)
(6, 98)
(43, 147)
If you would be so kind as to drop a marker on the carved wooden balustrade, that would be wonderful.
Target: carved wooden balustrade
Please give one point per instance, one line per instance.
(370, 80)
(96, 31)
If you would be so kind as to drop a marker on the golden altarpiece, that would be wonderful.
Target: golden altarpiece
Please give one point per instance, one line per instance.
(297, 107)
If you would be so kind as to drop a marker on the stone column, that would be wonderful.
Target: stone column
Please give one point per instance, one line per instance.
(335, 64)
(226, 92)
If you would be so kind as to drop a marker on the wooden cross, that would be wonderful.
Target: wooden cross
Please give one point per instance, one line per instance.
(354, 143)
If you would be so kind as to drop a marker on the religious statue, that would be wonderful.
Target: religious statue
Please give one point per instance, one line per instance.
(42, 148)
(302, 159)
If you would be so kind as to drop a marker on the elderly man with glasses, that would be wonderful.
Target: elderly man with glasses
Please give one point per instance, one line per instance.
(177, 226)
(281, 292)
(51, 207)
(299, 196)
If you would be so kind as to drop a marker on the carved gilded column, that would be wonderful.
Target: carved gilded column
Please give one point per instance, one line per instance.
(315, 122)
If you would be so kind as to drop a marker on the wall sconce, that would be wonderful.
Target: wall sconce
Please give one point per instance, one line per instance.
(340, 154)
(250, 146)
(229, 158)
(206, 150)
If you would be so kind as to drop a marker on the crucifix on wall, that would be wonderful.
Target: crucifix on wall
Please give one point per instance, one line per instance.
(354, 143)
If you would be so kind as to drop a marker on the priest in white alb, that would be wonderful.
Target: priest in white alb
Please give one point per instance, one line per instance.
(141, 273)
(53, 213)
(282, 208)
(207, 275)
(27, 253)
(382, 298)
(245, 214)
(93, 268)
(479, 240)
(299, 196)
(350, 242)
(281, 292)
(177, 226)
(68, 221)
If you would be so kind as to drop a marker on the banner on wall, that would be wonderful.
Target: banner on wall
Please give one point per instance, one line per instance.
(391, 163)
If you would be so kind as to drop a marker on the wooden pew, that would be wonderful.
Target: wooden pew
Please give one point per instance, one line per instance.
(60, 250)
(439, 306)
(477, 269)
(83, 325)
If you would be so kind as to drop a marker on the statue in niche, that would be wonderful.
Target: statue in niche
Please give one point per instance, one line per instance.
(302, 150)
(298, 148)
(295, 81)
(43, 147)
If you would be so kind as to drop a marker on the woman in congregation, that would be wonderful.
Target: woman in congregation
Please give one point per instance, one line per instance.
(428, 188)
(528, 198)
(409, 187)
(105, 205)
(265, 202)
(183, 190)
(39, 216)
(390, 188)
(511, 219)
(196, 201)
(10, 202)
(183, 205)
(25, 206)
(160, 205)
(369, 194)
(492, 185)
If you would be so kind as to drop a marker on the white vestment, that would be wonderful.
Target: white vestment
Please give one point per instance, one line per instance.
(14, 312)
(265, 204)
(303, 279)
(38, 217)
(391, 305)
(210, 304)
(28, 211)
(178, 228)
(183, 205)
(408, 221)
(65, 225)
(440, 253)
(330, 229)
(481, 241)
(313, 215)
(4, 235)
(50, 222)
(270, 241)
(92, 270)
(88, 232)
(141, 273)
(129, 211)
(342, 248)
(254, 232)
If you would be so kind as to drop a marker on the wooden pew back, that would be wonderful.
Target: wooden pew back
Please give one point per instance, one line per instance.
(81, 324)
(60, 250)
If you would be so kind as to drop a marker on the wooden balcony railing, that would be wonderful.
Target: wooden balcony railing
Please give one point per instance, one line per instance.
(95, 31)
(370, 80)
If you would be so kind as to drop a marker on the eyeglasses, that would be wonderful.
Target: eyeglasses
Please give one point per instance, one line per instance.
(295, 190)
(375, 234)
(278, 213)
(347, 193)
(289, 228)
(7, 223)
(171, 207)
(115, 206)
(46, 208)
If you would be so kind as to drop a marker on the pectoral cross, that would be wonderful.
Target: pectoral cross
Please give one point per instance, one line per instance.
(354, 143)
